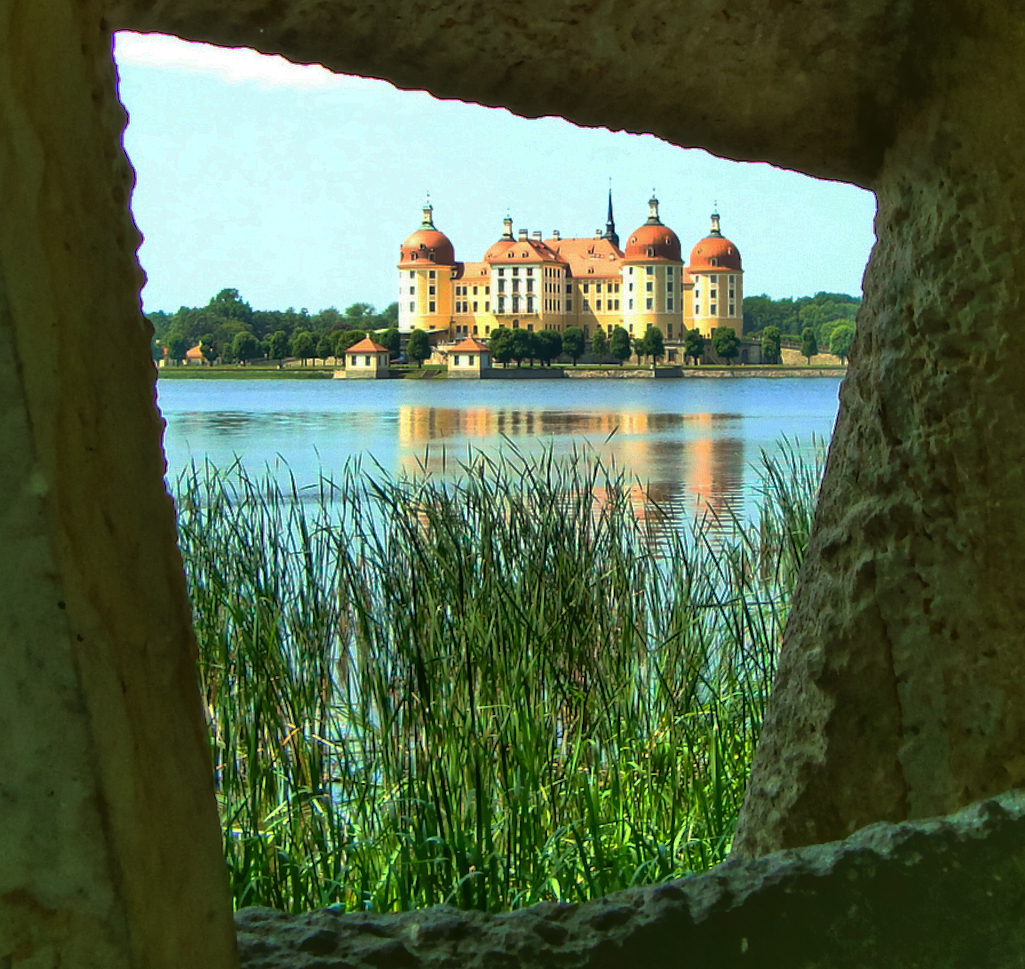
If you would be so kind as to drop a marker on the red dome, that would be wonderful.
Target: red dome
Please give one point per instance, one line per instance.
(653, 240)
(715, 252)
(428, 245)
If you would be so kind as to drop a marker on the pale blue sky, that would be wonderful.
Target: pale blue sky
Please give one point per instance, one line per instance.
(296, 186)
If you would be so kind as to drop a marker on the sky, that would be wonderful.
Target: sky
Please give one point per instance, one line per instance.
(296, 186)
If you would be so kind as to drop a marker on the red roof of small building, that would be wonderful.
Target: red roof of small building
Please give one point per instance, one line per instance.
(469, 345)
(196, 353)
(367, 345)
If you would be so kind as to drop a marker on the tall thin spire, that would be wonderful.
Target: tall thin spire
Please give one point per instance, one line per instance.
(428, 220)
(610, 222)
(653, 218)
(716, 231)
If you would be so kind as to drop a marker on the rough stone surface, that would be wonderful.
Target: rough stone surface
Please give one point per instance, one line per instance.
(943, 892)
(109, 843)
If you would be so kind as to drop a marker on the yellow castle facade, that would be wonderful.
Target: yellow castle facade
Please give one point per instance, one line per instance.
(528, 281)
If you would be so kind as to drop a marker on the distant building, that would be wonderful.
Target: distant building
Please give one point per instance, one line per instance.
(468, 358)
(366, 359)
(554, 283)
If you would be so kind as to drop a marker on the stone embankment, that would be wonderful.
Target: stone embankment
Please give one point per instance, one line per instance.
(881, 898)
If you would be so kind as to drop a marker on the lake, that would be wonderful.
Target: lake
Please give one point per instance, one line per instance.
(690, 444)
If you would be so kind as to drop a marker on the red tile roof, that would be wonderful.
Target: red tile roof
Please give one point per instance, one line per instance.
(427, 246)
(586, 257)
(367, 345)
(725, 253)
(469, 345)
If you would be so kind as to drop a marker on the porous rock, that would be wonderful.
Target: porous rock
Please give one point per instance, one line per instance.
(940, 892)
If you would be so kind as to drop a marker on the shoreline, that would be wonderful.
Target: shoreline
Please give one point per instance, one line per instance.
(709, 372)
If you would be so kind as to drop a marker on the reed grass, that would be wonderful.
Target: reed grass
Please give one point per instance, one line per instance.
(489, 691)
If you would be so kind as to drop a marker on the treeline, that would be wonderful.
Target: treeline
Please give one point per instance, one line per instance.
(820, 323)
(229, 330)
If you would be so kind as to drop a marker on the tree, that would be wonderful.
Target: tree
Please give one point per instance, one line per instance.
(573, 343)
(277, 346)
(177, 345)
(347, 338)
(840, 341)
(809, 345)
(653, 345)
(419, 347)
(245, 347)
(500, 345)
(521, 346)
(389, 339)
(210, 347)
(725, 342)
(548, 345)
(359, 315)
(325, 347)
(619, 345)
(694, 345)
(771, 347)
(303, 345)
(229, 305)
(599, 344)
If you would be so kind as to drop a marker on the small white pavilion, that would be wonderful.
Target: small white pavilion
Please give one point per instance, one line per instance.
(468, 359)
(366, 359)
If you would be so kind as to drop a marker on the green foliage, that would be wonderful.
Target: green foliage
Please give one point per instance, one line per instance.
(619, 345)
(500, 345)
(245, 347)
(177, 345)
(522, 345)
(325, 347)
(345, 339)
(573, 342)
(822, 312)
(599, 344)
(694, 345)
(278, 346)
(210, 347)
(548, 345)
(725, 343)
(418, 349)
(303, 345)
(652, 345)
(390, 340)
(772, 351)
(841, 340)
(809, 345)
(490, 692)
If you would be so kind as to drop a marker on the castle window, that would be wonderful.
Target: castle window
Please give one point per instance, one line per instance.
(617, 287)
(530, 270)
(530, 285)
(733, 309)
(669, 330)
(597, 287)
(630, 287)
(630, 304)
(713, 280)
(412, 307)
(530, 327)
(501, 271)
(617, 304)
(651, 252)
(630, 270)
(474, 290)
(530, 304)
(412, 256)
(712, 293)
(711, 309)
(649, 287)
(501, 304)
(569, 306)
(648, 303)
(430, 307)
(412, 290)
(516, 324)
(501, 285)
(569, 289)
(430, 275)
(430, 291)
(669, 286)
(597, 305)
(475, 310)
(412, 274)
(650, 270)
(714, 262)
(487, 305)
(669, 303)
(587, 305)
(516, 270)
(585, 287)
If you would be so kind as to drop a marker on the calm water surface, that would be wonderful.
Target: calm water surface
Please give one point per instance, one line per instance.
(689, 444)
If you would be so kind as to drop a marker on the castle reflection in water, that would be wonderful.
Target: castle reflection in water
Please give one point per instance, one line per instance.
(679, 465)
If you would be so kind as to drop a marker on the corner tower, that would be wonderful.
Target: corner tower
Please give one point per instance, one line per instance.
(426, 264)
(718, 275)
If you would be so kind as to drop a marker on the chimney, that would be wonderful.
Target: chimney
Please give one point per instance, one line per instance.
(556, 235)
(537, 234)
(507, 228)
(523, 235)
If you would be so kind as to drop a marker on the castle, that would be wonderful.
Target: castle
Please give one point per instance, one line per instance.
(555, 283)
